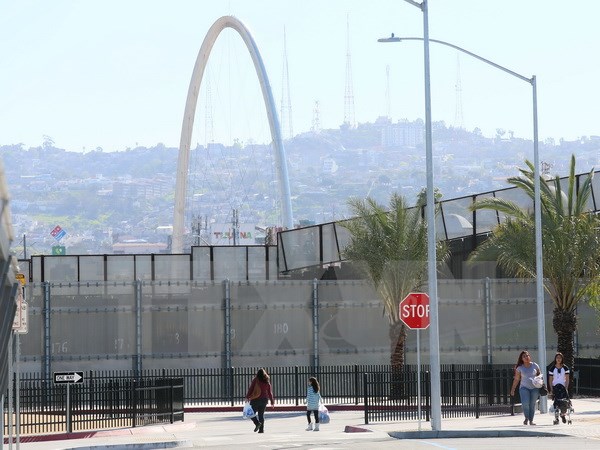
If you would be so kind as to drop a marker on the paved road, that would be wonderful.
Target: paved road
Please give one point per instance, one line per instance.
(285, 430)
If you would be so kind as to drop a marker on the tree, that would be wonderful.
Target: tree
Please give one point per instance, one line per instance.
(570, 245)
(390, 247)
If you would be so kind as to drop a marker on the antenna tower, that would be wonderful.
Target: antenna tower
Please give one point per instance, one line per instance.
(458, 114)
(349, 91)
(316, 123)
(388, 103)
(208, 116)
(286, 103)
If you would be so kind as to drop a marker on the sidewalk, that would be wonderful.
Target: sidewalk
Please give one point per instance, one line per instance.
(229, 429)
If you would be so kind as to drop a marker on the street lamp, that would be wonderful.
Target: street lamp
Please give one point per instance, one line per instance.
(537, 203)
(434, 329)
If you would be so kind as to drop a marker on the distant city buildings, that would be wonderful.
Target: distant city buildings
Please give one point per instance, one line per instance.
(400, 134)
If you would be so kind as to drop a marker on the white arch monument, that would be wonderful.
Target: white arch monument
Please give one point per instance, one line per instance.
(188, 124)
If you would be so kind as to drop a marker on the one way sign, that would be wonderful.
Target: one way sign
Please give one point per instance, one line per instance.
(68, 377)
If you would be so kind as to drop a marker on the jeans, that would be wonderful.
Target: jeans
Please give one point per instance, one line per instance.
(528, 399)
(259, 405)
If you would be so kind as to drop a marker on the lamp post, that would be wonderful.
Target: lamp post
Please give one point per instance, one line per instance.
(537, 203)
(434, 329)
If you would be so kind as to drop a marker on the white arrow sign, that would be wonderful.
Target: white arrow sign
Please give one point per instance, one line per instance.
(68, 377)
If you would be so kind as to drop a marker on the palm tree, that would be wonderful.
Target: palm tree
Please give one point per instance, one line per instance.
(570, 245)
(391, 249)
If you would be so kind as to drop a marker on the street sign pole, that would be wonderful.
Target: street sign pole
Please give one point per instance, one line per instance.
(414, 312)
(419, 376)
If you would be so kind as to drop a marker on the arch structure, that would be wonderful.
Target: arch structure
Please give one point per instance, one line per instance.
(188, 124)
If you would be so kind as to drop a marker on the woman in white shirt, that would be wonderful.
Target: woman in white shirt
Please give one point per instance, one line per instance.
(558, 380)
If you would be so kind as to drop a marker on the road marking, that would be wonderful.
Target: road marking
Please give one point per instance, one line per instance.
(432, 444)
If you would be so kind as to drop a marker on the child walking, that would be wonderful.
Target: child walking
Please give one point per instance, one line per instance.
(313, 399)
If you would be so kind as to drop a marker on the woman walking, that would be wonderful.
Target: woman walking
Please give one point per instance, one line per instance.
(558, 382)
(525, 371)
(259, 393)
(313, 400)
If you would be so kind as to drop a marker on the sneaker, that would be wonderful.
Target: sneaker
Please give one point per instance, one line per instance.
(531, 422)
(316, 427)
(309, 427)
(525, 422)
(256, 427)
(564, 419)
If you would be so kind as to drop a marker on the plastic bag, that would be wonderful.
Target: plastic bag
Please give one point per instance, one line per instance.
(323, 414)
(537, 381)
(247, 411)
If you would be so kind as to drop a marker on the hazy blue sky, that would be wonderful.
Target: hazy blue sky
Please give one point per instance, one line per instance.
(114, 74)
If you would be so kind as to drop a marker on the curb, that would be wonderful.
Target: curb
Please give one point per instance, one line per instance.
(351, 429)
(147, 446)
(452, 434)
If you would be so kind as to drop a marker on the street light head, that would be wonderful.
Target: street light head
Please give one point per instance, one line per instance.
(392, 38)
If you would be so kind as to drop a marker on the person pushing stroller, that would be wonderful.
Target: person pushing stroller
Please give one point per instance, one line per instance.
(558, 383)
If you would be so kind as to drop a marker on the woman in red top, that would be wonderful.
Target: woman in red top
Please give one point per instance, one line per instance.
(259, 393)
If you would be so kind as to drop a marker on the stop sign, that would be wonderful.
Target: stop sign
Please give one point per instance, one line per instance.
(414, 310)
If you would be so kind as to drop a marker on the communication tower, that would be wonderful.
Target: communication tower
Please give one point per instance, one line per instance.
(349, 91)
(388, 103)
(458, 114)
(286, 104)
(316, 122)
(208, 116)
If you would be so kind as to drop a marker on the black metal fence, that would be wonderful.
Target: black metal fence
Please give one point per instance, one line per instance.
(110, 399)
(466, 390)
(100, 403)
(585, 377)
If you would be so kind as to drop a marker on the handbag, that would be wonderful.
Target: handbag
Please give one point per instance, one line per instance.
(247, 411)
(323, 414)
(255, 392)
(543, 390)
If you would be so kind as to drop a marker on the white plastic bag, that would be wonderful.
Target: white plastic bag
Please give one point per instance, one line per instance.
(537, 381)
(248, 412)
(323, 414)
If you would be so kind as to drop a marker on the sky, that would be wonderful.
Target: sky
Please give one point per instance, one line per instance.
(114, 74)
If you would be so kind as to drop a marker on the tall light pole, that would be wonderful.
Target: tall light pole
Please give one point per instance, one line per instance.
(537, 203)
(434, 329)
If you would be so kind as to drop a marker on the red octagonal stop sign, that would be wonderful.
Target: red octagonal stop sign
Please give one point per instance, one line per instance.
(414, 310)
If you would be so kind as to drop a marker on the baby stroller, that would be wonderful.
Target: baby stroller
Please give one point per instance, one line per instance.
(562, 405)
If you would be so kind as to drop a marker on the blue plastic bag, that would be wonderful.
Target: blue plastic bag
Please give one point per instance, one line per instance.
(248, 412)
(323, 414)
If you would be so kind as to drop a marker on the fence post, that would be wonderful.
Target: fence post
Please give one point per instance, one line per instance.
(171, 397)
(427, 395)
(69, 424)
(297, 385)
(46, 333)
(487, 319)
(227, 323)
(231, 384)
(366, 398)
(356, 388)
(134, 403)
(477, 391)
(137, 286)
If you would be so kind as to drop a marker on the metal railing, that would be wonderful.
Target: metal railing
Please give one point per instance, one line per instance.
(100, 403)
(466, 391)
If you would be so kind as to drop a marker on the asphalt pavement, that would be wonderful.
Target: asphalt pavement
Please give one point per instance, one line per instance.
(285, 429)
